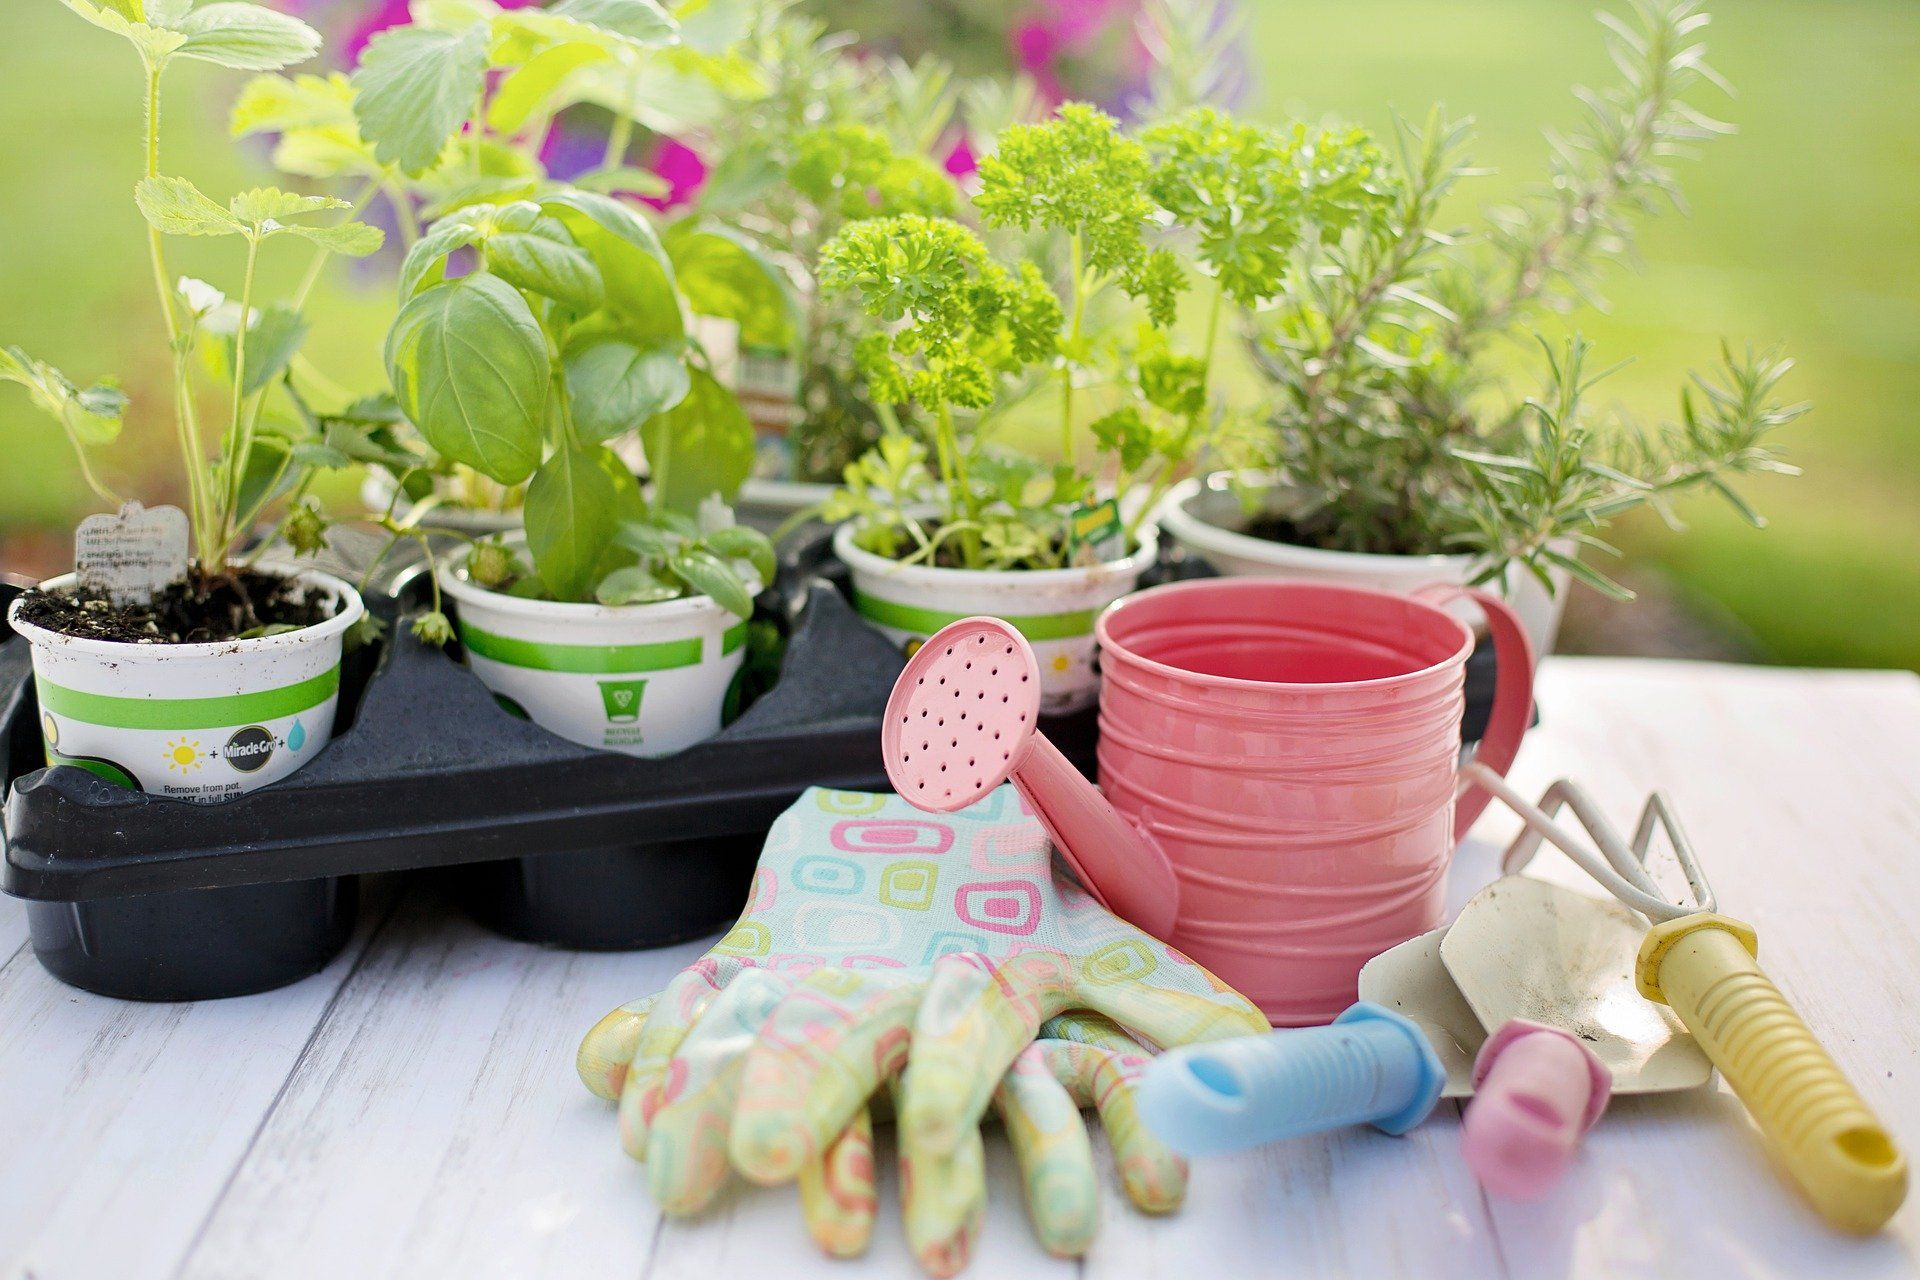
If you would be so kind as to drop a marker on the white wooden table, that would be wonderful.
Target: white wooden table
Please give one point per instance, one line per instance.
(412, 1111)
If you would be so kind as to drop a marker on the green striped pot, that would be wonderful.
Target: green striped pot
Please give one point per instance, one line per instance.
(1053, 608)
(201, 722)
(641, 679)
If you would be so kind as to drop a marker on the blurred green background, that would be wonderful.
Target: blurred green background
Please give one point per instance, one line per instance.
(1804, 228)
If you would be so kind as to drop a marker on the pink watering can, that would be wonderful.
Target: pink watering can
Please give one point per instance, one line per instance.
(1280, 762)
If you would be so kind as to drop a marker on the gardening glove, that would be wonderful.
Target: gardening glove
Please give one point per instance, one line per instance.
(1082, 1061)
(873, 930)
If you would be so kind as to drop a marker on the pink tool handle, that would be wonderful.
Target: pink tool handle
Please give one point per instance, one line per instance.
(1119, 864)
(1537, 1090)
(1512, 696)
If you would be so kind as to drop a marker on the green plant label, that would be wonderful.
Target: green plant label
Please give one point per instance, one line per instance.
(622, 699)
(1096, 526)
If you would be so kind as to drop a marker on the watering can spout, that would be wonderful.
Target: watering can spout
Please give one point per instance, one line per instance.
(1120, 864)
(964, 718)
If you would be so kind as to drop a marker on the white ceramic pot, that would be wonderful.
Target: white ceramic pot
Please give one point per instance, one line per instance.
(1204, 516)
(202, 722)
(1053, 608)
(643, 679)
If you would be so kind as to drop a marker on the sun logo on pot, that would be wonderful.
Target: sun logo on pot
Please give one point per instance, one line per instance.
(183, 755)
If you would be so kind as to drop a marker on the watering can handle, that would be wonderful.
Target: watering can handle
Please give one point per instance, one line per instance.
(1512, 700)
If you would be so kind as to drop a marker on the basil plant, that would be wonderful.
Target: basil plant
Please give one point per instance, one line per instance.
(568, 332)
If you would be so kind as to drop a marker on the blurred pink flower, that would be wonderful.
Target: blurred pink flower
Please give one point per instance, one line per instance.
(961, 162)
(684, 171)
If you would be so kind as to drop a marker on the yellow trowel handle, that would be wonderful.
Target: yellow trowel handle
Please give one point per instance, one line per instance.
(1819, 1128)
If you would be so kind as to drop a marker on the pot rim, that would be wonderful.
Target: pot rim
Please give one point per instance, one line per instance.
(1113, 650)
(858, 558)
(348, 609)
(454, 583)
(1184, 524)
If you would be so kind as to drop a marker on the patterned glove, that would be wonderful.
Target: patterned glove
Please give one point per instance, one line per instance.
(888, 952)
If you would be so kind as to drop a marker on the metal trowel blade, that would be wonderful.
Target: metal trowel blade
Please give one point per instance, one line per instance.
(1524, 948)
(1411, 979)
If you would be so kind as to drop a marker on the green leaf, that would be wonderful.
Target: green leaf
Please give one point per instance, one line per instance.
(570, 520)
(628, 502)
(413, 89)
(246, 37)
(426, 261)
(270, 204)
(453, 15)
(640, 289)
(722, 273)
(632, 584)
(331, 151)
(615, 386)
(715, 26)
(269, 473)
(468, 364)
(709, 575)
(155, 43)
(701, 446)
(131, 10)
(353, 239)
(91, 417)
(639, 20)
(276, 104)
(549, 265)
(527, 89)
(743, 543)
(272, 339)
(624, 179)
(490, 188)
(646, 540)
(178, 208)
(608, 213)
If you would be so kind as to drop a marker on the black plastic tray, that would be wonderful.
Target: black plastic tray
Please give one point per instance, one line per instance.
(154, 898)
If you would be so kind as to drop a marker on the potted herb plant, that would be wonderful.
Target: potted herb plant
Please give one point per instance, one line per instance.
(1201, 208)
(834, 139)
(174, 661)
(1395, 456)
(460, 109)
(615, 620)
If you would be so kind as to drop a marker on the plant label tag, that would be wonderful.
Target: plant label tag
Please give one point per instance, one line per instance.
(131, 555)
(1098, 528)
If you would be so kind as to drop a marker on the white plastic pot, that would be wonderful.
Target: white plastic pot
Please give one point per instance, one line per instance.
(1053, 608)
(202, 722)
(1204, 517)
(643, 679)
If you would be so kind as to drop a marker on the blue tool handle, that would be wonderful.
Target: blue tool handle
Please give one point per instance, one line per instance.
(1369, 1066)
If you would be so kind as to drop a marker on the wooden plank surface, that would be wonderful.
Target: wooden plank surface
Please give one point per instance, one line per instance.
(413, 1110)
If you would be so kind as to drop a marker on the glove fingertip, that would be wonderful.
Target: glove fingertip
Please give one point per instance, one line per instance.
(606, 1052)
(947, 1257)
(769, 1158)
(838, 1194)
(1155, 1183)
